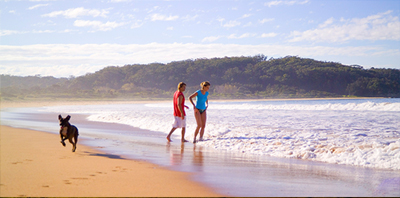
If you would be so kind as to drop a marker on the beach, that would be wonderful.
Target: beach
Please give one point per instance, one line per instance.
(35, 164)
(122, 150)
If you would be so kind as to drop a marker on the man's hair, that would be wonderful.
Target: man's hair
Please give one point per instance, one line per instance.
(181, 84)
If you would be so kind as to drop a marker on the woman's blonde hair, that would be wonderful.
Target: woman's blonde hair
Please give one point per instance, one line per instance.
(205, 84)
(181, 84)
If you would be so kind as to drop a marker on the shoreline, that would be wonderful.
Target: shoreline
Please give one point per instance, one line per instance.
(33, 163)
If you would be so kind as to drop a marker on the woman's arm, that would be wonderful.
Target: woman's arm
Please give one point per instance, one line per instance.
(191, 100)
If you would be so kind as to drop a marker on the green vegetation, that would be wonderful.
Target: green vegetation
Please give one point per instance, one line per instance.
(230, 77)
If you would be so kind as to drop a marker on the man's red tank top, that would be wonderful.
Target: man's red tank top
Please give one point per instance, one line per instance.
(176, 100)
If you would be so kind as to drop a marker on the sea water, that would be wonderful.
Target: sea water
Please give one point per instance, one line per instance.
(359, 132)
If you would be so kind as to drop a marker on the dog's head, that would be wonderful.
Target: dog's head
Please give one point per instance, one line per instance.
(64, 122)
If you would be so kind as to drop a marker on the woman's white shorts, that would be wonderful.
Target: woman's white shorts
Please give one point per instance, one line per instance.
(179, 123)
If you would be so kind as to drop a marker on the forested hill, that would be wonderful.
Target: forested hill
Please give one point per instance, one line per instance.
(232, 77)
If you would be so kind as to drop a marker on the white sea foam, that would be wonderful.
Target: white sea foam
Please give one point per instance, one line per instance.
(353, 132)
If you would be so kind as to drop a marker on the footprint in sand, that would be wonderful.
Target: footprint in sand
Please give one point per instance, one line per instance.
(27, 160)
(120, 169)
(80, 178)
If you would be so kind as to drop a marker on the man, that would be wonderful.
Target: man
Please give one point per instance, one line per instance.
(179, 112)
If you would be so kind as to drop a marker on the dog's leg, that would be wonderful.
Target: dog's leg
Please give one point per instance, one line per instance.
(73, 144)
(62, 140)
(75, 140)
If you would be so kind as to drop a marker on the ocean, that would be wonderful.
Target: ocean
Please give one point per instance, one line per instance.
(345, 136)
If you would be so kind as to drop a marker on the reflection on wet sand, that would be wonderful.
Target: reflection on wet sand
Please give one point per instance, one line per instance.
(198, 158)
(177, 155)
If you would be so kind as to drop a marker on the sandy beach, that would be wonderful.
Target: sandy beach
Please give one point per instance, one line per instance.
(34, 163)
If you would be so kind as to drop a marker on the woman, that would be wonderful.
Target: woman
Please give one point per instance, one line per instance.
(200, 108)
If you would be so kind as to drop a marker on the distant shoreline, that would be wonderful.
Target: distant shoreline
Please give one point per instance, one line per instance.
(85, 101)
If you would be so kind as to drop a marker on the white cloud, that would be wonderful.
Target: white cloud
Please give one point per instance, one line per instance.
(37, 6)
(42, 31)
(160, 17)
(210, 39)
(268, 35)
(231, 24)
(12, 12)
(262, 21)
(245, 16)
(381, 26)
(63, 60)
(220, 19)
(117, 1)
(77, 12)
(155, 8)
(98, 25)
(190, 18)
(281, 2)
(137, 24)
(10, 32)
(327, 22)
(245, 35)
(273, 3)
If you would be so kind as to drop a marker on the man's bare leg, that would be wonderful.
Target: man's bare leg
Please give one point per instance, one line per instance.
(169, 135)
(183, 135)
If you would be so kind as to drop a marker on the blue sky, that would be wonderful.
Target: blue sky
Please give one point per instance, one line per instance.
(65, 37)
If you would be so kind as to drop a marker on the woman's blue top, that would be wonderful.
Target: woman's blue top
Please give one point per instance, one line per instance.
(201, 100)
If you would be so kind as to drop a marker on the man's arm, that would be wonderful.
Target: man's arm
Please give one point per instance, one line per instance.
(180, 99)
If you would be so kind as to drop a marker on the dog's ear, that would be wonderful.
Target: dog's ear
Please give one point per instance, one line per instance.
(59, 117)
(68, 117)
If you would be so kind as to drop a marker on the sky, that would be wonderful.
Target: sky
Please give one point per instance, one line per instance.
(65, 38)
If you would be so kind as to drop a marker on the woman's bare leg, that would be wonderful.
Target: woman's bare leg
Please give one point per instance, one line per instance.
(198, 120)
(203, 124)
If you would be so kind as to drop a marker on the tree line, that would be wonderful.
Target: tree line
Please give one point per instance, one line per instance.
(230, 77)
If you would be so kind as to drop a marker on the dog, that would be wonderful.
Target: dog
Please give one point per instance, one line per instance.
(68, 131)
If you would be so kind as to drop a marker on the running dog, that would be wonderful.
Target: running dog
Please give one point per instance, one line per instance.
(68, 131)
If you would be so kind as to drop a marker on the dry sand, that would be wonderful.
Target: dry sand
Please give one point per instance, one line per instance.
(34, 163)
